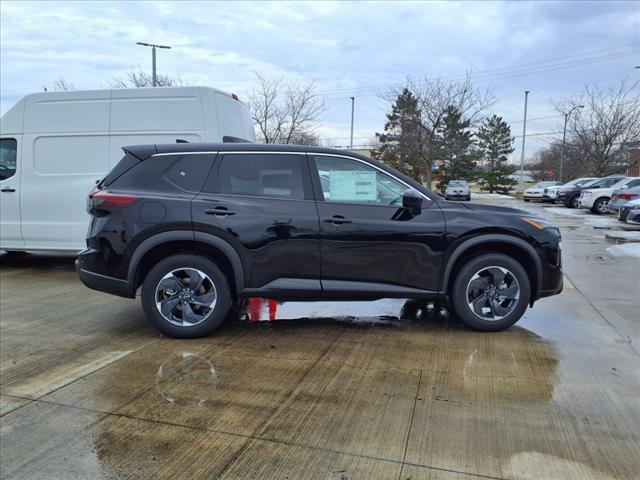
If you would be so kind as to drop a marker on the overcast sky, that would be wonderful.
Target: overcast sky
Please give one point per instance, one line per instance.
(346, 49)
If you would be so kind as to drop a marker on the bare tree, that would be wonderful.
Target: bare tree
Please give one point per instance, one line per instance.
(139, 78)
(285, 111)
(435, 97)
(61, 84)
(604, 129)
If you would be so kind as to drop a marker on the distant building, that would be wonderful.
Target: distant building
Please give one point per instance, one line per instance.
(633, 161)
(527, 174)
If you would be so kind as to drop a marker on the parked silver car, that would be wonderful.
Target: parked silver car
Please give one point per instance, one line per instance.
(457, 190)
(621, 197)
(630, 212)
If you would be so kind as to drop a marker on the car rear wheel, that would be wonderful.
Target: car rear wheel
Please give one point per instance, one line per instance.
(186, 296)
(601, 206)
(490, 292)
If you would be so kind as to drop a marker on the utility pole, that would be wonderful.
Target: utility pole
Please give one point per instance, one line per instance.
(524, 136)
(564, 139)
(153, 58)
(353, 106)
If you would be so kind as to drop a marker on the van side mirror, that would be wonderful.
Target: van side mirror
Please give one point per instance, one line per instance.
(412, 201)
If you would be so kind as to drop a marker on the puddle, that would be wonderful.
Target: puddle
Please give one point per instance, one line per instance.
(383, 311)
(186, 378)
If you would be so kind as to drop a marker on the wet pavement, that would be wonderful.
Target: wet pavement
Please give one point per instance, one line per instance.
(391, 389)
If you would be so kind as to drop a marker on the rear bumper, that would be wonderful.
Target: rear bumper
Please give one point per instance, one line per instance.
(103, 283)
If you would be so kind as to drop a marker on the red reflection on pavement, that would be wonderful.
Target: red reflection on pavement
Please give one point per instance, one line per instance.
(255, 308)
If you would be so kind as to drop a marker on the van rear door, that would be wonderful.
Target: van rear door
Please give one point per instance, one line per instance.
(10, 228)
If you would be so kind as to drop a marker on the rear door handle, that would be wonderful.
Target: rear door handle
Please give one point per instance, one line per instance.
(219, 211)
(8, 189)
(336, 220)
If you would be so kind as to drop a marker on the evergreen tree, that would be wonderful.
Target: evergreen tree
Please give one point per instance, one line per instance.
(455, 145)
(400, 143)
(496, 144)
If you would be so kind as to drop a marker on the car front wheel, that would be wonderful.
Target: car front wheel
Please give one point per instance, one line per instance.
(490, 292)
(186, 296)
(601, 206)
(573, 202)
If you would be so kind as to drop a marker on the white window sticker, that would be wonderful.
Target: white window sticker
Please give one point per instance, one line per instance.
(356, 186)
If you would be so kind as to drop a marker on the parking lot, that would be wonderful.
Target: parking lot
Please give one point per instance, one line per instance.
(355, 390)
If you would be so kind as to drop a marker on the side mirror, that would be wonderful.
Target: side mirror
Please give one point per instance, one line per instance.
(412, 202)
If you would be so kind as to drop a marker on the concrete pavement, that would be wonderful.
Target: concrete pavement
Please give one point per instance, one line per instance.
(375, 390)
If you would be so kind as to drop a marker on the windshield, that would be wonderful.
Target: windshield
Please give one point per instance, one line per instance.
(457, 183)
(606, 182)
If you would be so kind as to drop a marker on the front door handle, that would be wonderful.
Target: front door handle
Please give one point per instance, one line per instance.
(219, 211)
(8, 189)
(336, 220)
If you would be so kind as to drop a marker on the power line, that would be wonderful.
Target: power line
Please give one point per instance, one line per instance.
(484, 77)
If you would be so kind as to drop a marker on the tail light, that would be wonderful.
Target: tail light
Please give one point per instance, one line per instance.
(627, 196)
(104, 199)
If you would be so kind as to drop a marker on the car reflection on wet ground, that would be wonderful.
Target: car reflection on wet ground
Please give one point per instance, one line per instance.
(348, 390)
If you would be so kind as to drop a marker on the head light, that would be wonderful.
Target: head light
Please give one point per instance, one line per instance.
(586, 194)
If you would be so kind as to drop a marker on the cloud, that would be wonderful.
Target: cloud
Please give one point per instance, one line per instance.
(346, 48)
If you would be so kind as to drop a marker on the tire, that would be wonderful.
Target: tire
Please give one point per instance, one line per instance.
(601, 206)
(469, 198)
(209, 305)
(446, 198)
(498, 311)
(572, 202)
(526, 199)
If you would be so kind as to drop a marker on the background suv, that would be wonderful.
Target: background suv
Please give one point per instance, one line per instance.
(571, 198)
(199, 226)
(596, 198)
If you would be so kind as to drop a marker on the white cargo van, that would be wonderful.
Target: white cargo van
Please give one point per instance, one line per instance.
(55, 146)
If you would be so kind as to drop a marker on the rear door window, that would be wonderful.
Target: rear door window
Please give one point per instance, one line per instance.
(188, 172)
(264, 175)
(8, 157)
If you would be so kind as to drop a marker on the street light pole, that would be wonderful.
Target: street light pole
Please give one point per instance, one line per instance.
(353, 106)
(154, 75)
(524, 136)
(564, 139)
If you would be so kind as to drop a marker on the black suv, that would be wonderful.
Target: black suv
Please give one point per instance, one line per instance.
(201, 226)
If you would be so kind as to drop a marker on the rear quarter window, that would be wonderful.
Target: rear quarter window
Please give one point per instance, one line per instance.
(188, 172)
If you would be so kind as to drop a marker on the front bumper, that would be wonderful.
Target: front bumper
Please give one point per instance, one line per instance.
(457, 196)
(585, 202)
(634, 217)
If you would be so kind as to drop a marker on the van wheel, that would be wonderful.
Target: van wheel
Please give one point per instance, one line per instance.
(186, 296)
(490, 292)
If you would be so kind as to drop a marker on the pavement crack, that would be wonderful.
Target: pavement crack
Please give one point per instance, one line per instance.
(413, 412)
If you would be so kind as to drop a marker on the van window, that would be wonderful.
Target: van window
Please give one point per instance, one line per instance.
(262, 175)
(189, 171)
(8, 155)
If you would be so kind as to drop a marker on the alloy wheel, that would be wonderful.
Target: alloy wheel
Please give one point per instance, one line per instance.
(603, 206)
(186, 296)
(493, 293)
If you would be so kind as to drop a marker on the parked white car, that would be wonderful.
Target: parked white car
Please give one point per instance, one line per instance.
(55, 146)
(457, 190)
(597, 199)
(536, 192)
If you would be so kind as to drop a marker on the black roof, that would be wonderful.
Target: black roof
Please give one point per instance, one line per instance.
(144, 151)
